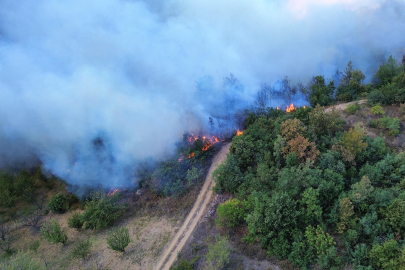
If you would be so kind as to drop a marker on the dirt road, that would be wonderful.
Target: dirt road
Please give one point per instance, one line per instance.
(181, 237)
(343, 106)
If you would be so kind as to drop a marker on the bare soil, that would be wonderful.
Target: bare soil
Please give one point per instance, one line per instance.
(177, 243)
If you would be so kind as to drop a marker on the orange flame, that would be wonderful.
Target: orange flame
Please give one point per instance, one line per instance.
(112, 191)
(305, 107)
(239, 133)
(278, 108)
(291, 108)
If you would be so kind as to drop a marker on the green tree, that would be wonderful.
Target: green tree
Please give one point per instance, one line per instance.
(320, 240)
(351, 84)
(272, 220)
(52, 232)
(230, 213)
(75, 221)
(312, 213)
(81, 249)
(320, 93)
(118, 239)
(386, 255)
(394, 214)
(101, 210)
(58, 203)
(324, 122)
(218, 253)
(386, 72)
(353, 141)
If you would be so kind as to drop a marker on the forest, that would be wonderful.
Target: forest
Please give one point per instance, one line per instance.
(316, 190)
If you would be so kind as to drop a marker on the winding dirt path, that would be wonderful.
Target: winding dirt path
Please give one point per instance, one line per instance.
(181, 237)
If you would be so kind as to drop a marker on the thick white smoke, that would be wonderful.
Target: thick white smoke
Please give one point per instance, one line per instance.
(104, 83)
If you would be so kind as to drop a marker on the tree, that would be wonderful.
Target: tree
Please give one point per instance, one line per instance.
(52, 232)
(386, 255)
(386, 72)
(353, 141)
(59, 203)
(303, 149)
(75, 221)
(320, 240)
(218, 253)
(81, 249)
(272, 220)
(346, 212)
(292, 128)
(230, 213)
(101, 210)
(324, 122)
(320, 93)
(118, 239)
(351, 84)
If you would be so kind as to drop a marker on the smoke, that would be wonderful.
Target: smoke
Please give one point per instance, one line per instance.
(90, 87)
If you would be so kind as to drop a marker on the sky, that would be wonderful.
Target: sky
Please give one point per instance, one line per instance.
(138, 74)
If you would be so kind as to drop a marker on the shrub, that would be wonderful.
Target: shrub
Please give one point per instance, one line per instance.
(59, 203)
(392, 124)
(34, 246)
(375, 97)
(52, 232)
(373, 123)
(377, 109)
(352, 108)
(81, 249)
(402, 108)
(218, 253)
(102, 210)
(75, 221)
(20, 261)
(230, 213)
(118, 239)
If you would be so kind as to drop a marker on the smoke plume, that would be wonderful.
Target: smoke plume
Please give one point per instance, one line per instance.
(88, 88)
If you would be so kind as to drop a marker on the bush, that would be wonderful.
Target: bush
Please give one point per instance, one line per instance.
(392, 124)
(352, 108)
(230, 213)
(377, 109)
(20, 261)
(75, 221)
(118, 239)
(373, 123)
(52, 232)
(59, 203)
(81, 249)
(34, 246)
(376, 97)
(102, 210)
(218, 253)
